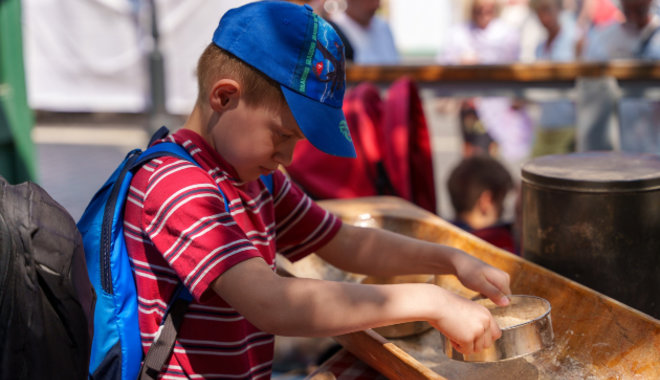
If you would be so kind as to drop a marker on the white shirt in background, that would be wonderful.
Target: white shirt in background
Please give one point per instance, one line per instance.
(372, 45)
(497, 43)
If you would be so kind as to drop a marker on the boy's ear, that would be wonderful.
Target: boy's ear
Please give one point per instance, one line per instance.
(224, 95)
(485, 201)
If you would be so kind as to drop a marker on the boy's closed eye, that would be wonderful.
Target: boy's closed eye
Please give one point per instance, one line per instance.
(284, 135)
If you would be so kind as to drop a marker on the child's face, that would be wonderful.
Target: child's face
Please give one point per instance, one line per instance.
(256, 139)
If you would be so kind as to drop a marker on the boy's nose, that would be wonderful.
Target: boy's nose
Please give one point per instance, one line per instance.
(284, 155)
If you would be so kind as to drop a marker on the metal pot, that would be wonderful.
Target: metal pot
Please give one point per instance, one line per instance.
(595, 218)
(526, 328)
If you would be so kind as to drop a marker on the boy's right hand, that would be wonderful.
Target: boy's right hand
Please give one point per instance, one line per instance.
(468, 325)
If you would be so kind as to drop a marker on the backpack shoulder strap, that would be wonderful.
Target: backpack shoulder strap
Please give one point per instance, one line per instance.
(168, 148)
(161, 348)
(268, 181)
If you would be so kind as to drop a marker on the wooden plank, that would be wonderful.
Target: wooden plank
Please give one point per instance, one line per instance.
(594, 334)
(517, 72)
(385, 357)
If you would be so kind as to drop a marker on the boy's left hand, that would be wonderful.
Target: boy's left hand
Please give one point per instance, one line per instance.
(483, 278)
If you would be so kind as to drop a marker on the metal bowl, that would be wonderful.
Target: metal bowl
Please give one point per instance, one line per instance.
(526, 328)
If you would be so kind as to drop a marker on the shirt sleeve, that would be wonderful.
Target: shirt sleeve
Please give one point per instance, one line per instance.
(301, 225)
(185, 218)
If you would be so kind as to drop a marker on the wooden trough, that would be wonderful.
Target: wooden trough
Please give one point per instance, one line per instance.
(596, 337)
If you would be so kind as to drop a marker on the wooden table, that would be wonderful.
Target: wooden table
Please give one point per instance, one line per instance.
(345, 366)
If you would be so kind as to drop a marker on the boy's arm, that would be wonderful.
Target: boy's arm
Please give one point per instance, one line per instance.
(378, 252)
(306, 307)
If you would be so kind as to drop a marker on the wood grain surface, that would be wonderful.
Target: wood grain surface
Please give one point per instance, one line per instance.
(595, 336)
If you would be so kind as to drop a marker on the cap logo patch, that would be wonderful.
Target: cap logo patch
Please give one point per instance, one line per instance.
(334, 77)
(343, 128)
(323, 58)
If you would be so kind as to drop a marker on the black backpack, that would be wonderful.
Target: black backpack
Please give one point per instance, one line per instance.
(46, 299)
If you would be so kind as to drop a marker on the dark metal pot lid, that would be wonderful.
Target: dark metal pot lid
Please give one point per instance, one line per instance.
(594, 172)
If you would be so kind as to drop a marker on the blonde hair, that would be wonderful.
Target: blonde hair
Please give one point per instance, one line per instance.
(257, 89)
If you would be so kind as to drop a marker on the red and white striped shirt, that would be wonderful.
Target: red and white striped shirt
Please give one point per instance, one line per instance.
(177, 229)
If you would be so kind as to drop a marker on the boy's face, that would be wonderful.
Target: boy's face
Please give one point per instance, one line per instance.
(256, 139)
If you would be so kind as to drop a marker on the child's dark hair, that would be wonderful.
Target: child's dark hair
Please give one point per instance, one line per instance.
(474, 175)
(216, 63)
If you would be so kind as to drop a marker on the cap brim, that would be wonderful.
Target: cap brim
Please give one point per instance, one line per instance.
(323, 125)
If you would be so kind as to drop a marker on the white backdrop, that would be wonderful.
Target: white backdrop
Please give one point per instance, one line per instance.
(91, 55)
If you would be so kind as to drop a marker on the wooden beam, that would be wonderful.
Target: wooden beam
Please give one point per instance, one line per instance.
(518, 72)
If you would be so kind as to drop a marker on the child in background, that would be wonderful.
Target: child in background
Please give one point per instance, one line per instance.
(272, 76)
(478, 186)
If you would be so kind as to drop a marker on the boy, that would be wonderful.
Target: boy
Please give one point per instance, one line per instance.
(478, 186)
(272, 76)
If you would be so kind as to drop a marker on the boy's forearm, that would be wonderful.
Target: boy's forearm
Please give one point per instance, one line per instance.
(325, 308)
(307, 307)
(382, 253)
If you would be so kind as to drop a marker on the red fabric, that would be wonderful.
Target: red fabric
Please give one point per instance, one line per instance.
(499, 236)
(606, 12)
(392, 144)
(407, 154)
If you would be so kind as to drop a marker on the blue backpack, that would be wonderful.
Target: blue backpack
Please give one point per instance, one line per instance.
(116, 345)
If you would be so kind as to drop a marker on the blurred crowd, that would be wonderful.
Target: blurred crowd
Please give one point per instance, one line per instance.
(498, 132)
(506, 31)
(78, 66)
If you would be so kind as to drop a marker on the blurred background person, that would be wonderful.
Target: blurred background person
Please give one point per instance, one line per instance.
(635, 38)
(485, 39)
(591, 15)
(368, 35)
(555, 129)
(476, 139)
(478, 187)
(519, 14)
(561, 35)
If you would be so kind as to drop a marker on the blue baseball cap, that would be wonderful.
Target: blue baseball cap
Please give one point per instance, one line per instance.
(299, 50)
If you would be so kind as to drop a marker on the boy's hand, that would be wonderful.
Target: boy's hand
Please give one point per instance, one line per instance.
(469, 326)
(483, 278)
